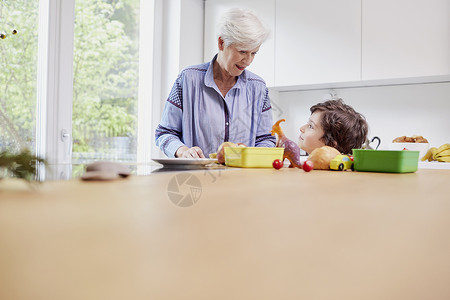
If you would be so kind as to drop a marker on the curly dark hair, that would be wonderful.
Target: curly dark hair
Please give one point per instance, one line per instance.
(343, 127)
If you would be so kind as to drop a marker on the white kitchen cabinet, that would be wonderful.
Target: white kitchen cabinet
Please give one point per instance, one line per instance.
(349, 42)
(317, 41)
(405, 38)
(263, 64)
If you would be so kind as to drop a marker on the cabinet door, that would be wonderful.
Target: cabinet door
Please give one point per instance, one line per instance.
(263, 64)
(405, 38)
(317, 41)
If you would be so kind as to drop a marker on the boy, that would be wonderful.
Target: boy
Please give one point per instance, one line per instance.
(336, 124)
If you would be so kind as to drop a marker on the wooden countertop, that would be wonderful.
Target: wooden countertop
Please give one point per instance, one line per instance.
(251, 234)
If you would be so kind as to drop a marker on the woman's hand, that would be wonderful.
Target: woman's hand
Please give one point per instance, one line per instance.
(185, 152)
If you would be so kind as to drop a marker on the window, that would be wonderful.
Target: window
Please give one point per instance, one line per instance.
(18, 69)
(84, 87)
(105, 80)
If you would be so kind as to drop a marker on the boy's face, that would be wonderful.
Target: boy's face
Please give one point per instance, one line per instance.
(311, 132)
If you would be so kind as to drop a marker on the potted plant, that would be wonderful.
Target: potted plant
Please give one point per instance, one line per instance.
(21, 165)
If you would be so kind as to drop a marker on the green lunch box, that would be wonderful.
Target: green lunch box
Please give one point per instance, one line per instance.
(389, 161)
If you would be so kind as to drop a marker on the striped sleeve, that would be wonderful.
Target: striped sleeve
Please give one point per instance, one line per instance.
(168, 134)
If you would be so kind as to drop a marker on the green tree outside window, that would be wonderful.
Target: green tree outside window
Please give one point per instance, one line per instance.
(105, 73)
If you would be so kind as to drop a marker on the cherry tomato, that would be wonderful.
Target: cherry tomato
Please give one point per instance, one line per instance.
(277, 164)
(308, 166)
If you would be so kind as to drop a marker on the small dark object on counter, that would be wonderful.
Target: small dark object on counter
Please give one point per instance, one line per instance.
(105, 170)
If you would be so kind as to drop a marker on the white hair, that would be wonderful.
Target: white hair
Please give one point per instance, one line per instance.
(242, 27)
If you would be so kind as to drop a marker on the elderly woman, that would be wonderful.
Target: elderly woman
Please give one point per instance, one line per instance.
(220, 100)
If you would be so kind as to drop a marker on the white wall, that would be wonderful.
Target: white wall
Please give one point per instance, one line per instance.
(192, 36)
(181, 41)
(391, 111)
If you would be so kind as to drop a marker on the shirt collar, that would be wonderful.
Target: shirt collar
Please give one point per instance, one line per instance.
(209, 77)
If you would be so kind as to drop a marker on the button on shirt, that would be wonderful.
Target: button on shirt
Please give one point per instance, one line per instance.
(196, 113)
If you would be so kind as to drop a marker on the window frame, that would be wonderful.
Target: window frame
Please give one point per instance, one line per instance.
(55, 80)
(55, 84)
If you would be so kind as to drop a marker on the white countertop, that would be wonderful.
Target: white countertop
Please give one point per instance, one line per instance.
(434, 165)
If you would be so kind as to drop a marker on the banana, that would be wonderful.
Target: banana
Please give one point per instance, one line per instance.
(438, 154)
(447, 145)
(444, 159)
(428, 156)
(443, 148)
(443, 153)
(433, 152)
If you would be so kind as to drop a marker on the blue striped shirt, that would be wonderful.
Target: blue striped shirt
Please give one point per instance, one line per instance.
(196, 113)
